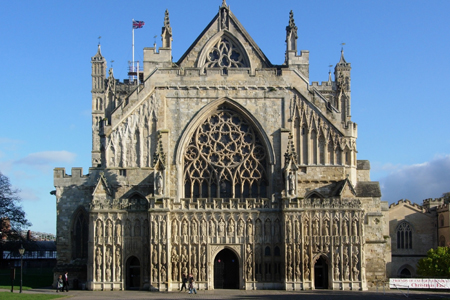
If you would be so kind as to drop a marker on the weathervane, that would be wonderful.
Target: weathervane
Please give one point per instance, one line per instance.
(99, 39)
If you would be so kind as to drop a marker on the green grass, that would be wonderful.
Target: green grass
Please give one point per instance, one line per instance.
(31, 278)
(16, 295)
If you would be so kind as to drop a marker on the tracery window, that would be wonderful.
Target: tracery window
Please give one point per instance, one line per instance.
(404, 236)
(225, 159)
(225, 54)
(80, 236)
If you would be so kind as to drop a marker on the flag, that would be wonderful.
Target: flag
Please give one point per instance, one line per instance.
(138, 24)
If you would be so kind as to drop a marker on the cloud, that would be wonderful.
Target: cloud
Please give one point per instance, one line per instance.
(417, 182)
(28, 194)
(47, 158)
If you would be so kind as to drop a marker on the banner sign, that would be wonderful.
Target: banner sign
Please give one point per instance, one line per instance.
(416, 283)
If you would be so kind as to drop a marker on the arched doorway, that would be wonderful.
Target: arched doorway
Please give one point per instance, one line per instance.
(226, 270)
(321, 274)
(133, 273)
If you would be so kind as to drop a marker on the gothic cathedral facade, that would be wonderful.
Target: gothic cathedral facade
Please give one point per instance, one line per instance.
(224, 166)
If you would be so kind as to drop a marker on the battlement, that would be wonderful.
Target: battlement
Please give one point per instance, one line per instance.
(407, 202)
(323, 84)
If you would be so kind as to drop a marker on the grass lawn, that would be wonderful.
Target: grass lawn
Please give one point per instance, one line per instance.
(16, 295)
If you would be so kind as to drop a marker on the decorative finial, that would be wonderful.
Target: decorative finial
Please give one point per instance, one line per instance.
(99, 39)
(224, 3)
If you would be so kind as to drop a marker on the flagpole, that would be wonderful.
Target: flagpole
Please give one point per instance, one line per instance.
(132, 62)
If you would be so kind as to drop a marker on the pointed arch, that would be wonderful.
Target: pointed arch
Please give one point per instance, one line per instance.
(225, 146)
(223, 50)
(80, 233)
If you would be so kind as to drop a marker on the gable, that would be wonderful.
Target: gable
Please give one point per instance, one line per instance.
(224, 39)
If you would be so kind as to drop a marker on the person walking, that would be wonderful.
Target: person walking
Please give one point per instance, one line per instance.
(183, 281)
(65, 282)
(59, 284)
(191, 285)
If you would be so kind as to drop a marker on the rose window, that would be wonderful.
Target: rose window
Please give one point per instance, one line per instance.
(225, 159)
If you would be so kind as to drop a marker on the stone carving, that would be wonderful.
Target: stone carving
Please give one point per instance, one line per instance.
(212, 229)
(346, 267)
(184, 257)
(154, 274)
(288, 230)
(203, 228)
(306, 268)
(155, 225)
(355, 261)
(337, 259)
(240, 228)
(221, 227)
(230, 228)
(163, 229)
(163, 274)
(291, 183)
(98, 260)
(118, 265)
(249, 229)
(159, 184)
(355, 227)
(326, 228)
(99, 232)
(123, 145)
(175, 236)
(109, 232)
(118, 233)
(108, 260)
(154, 256)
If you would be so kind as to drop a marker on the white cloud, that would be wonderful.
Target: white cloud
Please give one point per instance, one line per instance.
(28, 194)
(47, 158)
(417, 182)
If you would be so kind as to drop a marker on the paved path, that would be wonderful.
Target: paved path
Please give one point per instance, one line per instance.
(247, 295)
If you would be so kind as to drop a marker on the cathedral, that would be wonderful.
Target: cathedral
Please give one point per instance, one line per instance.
(224, 166)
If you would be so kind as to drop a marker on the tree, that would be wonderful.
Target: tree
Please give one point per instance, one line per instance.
(11, 213)
(436, 264)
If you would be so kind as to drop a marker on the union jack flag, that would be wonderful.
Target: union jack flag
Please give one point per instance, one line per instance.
(138, 24)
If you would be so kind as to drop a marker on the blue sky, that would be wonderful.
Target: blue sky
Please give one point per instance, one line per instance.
(399, 52)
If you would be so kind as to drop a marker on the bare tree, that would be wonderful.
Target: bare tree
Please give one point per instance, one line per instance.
(11, 213)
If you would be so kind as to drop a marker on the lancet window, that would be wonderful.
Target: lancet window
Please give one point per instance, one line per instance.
(80, 236)
(404, 236)
(225, 54)
(225, 159)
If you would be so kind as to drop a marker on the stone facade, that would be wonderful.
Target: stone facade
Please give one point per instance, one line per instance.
(414, 229)
(224, 166)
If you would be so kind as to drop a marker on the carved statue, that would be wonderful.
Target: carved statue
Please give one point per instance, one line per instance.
(249, 229)
(98, 258)
(212, 229)
(221, 227)
(240, 231)
(118, 233)
(326, 228)
(99, 232)
(194, 228)
(184, 228)
(355, 228)
(163, 229)
(118, 264)
(159, 184)
(291, 183)
(109, 232)
(203, 228)
(163, 274)
(230, 228)
(154, 256)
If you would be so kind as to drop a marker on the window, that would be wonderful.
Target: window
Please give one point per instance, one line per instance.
(225, 158)
(80, 236)
(404, 236)
(267, 251)
(442, 241)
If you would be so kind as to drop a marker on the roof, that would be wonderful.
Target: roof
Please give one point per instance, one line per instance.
(368, 189)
